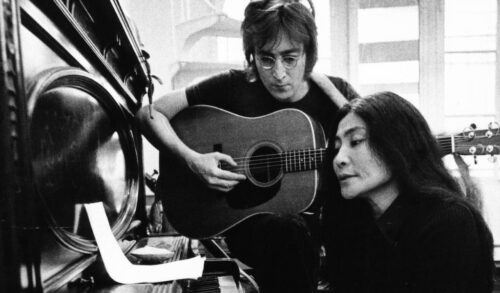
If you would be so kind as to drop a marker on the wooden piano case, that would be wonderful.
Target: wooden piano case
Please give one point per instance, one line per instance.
(72, 77)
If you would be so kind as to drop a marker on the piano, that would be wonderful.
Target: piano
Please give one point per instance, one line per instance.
(73, 75)
(219, 275)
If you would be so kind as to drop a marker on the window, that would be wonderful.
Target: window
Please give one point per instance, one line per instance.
(388, 53)
(470, 62)
(439, 54)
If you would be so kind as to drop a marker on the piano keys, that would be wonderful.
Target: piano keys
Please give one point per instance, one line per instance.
(224, 284)
(209, 284)
(220, 274)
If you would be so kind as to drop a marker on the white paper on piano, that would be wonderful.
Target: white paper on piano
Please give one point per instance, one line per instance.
(119, 267)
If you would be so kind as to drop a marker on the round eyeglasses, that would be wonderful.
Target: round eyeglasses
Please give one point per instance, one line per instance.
(268, 62)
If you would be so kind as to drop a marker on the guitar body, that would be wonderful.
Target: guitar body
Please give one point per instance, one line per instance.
(199, 212)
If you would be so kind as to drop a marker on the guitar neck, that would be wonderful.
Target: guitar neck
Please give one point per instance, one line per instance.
(302, 160)
(288, 162)
(446, 144)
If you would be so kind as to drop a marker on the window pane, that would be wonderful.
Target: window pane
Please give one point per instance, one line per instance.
(388, 24)
(230, 50)
(323, 65)
(465, 17)
(470, 83)
(322, 9)
(457, 124)
(235, 8)
(388, 72)
(470, 43)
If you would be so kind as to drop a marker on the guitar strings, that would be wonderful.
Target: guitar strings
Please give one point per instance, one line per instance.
(290, 155)
(316, 151)
(276, 163)
(302, 158)
(458, 139)
(461, 138)
(292, 158)
(293, 155)
(293, 165)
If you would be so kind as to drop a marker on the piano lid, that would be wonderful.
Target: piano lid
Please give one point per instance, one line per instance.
(83, 151)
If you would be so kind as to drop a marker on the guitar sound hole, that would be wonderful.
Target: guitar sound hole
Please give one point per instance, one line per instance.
(265, 165)
(264, 173)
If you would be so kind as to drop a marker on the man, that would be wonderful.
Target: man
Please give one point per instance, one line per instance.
(279, 40)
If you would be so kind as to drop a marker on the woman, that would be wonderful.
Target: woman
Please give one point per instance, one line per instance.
(401, 223)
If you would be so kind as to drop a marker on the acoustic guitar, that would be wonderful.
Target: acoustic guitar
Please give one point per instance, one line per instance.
(280, 153)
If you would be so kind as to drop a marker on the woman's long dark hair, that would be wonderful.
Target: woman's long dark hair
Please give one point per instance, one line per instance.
(401, 137)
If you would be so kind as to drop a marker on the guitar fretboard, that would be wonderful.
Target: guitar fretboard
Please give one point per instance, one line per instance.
(302, 160)
(446, 144)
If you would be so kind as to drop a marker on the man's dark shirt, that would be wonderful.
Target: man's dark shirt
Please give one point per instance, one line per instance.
(231, 91)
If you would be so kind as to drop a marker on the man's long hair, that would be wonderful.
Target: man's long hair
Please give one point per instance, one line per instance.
(267, 20)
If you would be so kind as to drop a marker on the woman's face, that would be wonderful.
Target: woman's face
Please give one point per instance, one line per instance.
(361, 173)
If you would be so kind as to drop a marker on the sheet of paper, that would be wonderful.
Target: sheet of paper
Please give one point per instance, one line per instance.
(119, 267)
